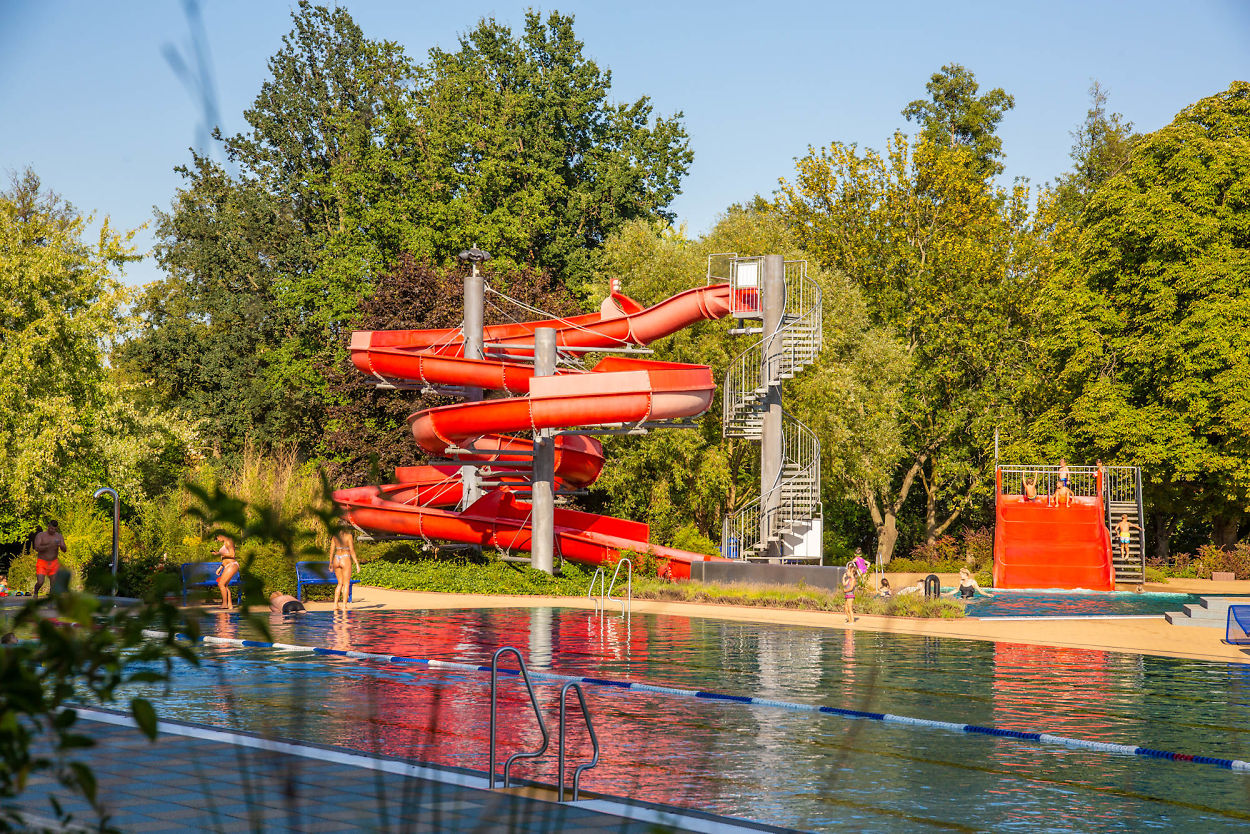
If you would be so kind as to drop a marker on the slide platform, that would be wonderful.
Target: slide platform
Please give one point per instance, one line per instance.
(1036, 546)
(616, 391)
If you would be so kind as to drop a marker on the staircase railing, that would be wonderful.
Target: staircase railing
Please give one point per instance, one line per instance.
(795, 498)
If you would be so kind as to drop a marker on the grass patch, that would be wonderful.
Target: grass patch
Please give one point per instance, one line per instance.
(463, 575)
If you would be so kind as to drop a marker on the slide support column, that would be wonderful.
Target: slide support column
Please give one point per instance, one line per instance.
(772, 443)
(473, 349)
(542, 546)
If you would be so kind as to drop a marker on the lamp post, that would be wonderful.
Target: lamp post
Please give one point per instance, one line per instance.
(116, 526)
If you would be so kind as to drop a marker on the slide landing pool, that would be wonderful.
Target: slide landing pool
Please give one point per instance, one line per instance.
(616, 391)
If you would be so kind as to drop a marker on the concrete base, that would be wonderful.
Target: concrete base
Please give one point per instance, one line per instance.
(1209, 612)
(756, 573)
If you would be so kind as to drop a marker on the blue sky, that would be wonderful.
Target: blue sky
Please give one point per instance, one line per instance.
(88, 99)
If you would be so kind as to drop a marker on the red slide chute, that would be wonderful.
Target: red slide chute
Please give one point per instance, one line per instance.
(1040, 546)
(615, 391)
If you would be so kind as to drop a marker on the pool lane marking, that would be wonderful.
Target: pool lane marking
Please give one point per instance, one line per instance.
(885, 717)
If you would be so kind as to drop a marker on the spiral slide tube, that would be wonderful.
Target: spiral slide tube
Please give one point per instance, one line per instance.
(616, 391)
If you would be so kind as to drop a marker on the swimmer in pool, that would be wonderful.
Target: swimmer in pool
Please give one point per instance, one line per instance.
(968, 587)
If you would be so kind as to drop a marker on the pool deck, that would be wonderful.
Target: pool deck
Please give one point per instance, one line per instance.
(1149, 636)
(199, 778)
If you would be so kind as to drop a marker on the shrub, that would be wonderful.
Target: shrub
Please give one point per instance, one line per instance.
(689, 538)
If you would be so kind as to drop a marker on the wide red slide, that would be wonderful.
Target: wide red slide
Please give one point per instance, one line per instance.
(1039, 546)
(617, 391)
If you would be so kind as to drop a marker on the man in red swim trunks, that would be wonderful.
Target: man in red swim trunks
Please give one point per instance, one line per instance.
(49, 544)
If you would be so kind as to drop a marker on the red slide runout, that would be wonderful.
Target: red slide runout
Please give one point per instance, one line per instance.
(1038, 546)
(615, 391)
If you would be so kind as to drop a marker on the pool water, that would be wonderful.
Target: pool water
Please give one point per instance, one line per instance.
(1075, 604)
(816, 772)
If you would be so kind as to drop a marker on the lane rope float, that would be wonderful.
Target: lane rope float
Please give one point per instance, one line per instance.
(1048, 739)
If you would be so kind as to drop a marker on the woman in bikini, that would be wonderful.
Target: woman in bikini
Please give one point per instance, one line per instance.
(229, 567)
(342, 559)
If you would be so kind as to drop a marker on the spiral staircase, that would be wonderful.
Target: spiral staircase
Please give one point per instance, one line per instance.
(787, 513)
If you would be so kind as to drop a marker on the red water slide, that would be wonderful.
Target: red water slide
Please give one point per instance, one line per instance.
(1039, 546)
(615, 391)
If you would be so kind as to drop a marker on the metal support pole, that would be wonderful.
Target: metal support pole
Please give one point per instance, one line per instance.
(117, 520)
(772, 443)
(542, 545)
(473, 349)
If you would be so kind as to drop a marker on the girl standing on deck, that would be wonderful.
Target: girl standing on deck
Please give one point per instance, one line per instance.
(342, 558)
(850, 578)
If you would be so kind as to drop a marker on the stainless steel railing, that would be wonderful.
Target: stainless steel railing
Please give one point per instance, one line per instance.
(494, 691)
(627, 603)
(594, 740)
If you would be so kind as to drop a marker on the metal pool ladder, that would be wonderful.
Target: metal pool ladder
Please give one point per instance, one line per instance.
(628, 602)
(602, 579)
(594, 740)
(542, 725)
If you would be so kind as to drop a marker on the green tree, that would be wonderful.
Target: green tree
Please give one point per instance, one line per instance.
(356, 157)
(1100, 150)
(945, 261)
(687, 480)
(211, 337)
(59, 302)
(1148, 355)
(954, 115)
(523, 153)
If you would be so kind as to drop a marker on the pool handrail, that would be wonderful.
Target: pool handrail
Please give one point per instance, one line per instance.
(602, 579)
(628, 601)
(542, 725)
(594, 740)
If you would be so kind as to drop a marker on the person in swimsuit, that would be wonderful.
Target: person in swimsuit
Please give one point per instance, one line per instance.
(49, 544)
(1124, 532)
(229, 567)
(1063, 472)
(1063, 495)
(280, 603)
(968, 587)
(1030, 489)
(884, 591)
(850, 578)
(342, 559)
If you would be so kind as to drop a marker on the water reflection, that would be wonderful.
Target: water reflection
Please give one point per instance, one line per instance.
(818, 772)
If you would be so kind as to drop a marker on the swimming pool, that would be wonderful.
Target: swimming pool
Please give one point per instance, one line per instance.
(808, 771)
(1075, 604)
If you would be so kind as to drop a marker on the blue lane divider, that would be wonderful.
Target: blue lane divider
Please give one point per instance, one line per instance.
(634, 686)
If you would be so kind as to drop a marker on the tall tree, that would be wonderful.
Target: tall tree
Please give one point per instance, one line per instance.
(64, 423)
(954, 115)
(1100, 150)
(212, 336)
(1150, 358)
(356, 157)
(524, 153)
(944, 260)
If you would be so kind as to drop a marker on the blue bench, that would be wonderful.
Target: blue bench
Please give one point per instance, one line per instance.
(202, 575)
(316, 573)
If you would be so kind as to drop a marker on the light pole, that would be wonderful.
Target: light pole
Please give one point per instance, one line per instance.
(116, 526)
